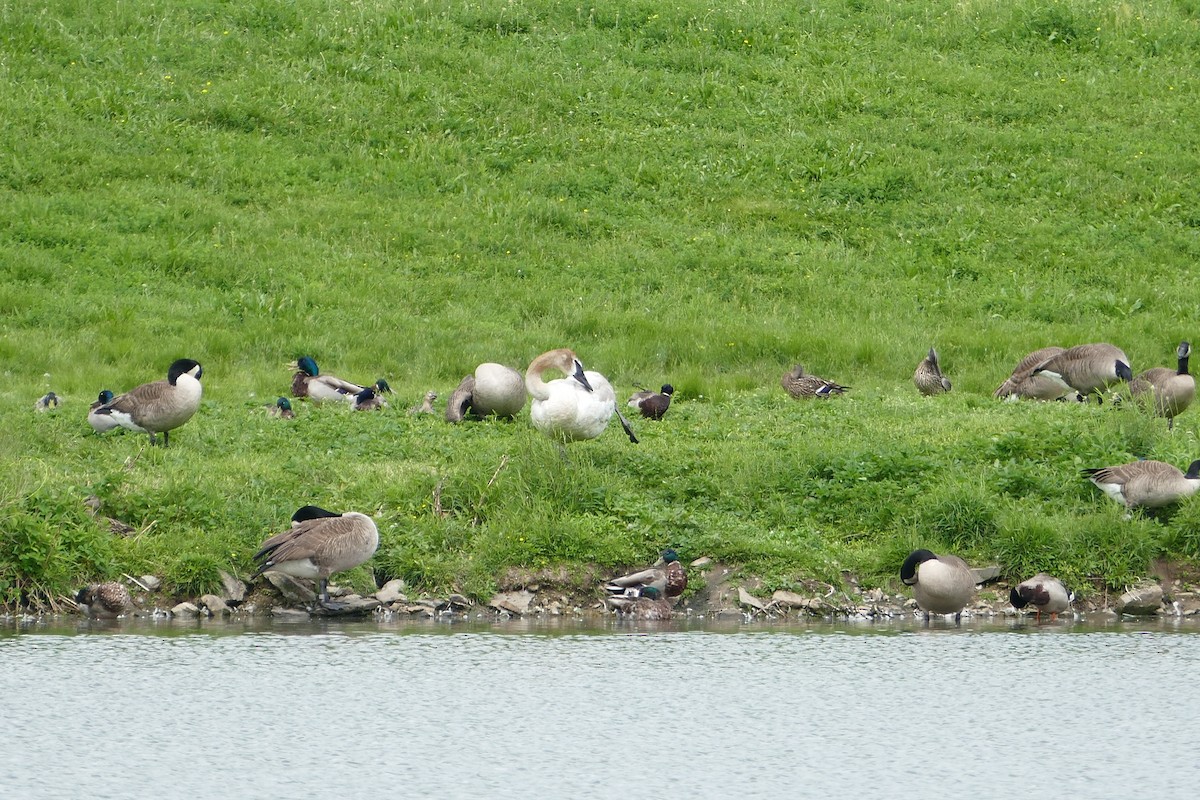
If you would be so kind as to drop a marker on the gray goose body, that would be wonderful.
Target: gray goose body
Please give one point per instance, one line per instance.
(161, 406)
(319, 544)
(800, 384)
(1168, 391)
(1044, 592)
(1086, 368)
(1149, 484)
(941, 584)
(928, 377)
(1024, 384)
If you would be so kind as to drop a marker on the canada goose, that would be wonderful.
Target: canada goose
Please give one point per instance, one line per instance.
(368, 400)
(575, 407)
(1086, 368)
(941, 584)
(492, 389)
(1150, 484)
(282, 408)
(161, 406)
(666, 575)
(1170, 390)
(1044, 593)
(104, 600)
(309, 382)
(319, 543)
(800, 384)
(1023, 384)
(647, 603)
(928, 377)
(426, 404)
(101, 422)
(653, 405)
(46, 402)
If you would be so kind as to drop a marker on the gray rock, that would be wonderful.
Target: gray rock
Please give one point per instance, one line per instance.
(233, 588)
(347, 606)
(215, 605)
(513, 602)
(1141, 601)
(747, 599)
(789, 599)
(185, 610)
(391, 592)
(293, 591)
(151, 583)
(701, 562)
(986, 574)
(289, 614)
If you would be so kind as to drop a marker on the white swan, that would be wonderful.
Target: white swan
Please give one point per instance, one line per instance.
(575, 407)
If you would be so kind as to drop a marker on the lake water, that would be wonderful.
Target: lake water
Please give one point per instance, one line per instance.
(535, 710)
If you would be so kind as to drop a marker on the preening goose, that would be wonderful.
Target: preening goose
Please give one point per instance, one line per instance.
(941, 584)
(800, 384)
(1168, 391)
(101, 422)
(492, 389)
(1149, 484)
(319, 543)
(104, 600)
(161, 406)
(928, 377)
(573, 408)
(1086, 368)
(1044, 592)
(1024, 384)
(653, 405)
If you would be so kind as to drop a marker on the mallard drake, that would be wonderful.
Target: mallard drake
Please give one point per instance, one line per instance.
(426, 404)
(928, 377)
(652, 405)
(101, 422)
(1149, 484)
(319, 544)
(1043, 592)
(941, 584)
(492, 389)
(46, 402)
(161, 406)
(1086, 368)
(309, 382)
(647, 603)
(1169, 391)
(104, 600)
(573, 408)
(281, 408)
(666, 575)
(1023, 384)
(800, 384)
(368, 400)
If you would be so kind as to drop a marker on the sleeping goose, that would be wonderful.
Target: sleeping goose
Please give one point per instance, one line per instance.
(1170, 391)
(161, 406)
(928, 377)
(800, 384)
(319, 543)
(653, 405)
(1086, 368)
(101, 422)
(575, 407)
(1149, 484)
(941, 584)
(492, 389)
(1044, 593)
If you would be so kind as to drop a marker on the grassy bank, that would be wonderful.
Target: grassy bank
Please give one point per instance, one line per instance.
(687, 193)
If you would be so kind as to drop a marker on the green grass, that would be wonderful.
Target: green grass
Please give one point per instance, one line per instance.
(690, 193)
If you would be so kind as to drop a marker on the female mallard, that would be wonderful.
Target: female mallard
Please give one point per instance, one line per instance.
(666, 576)
(1043, 592)
(101, 422)
(652, 405)
(309, 382)
(928, 377)
(1150, 484)
(573, 408)
(161, 406)
(1169, 391)
(105, 600)
(941, 584)
(319, 544)
(800, 384)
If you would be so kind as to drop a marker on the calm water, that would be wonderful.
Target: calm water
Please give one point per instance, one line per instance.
(444, 711)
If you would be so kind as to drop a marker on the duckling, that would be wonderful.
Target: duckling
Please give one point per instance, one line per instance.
(928, 377)
(647, 603)
(46, 402)
(281, 408)
(368, 400)
(161, 406)
(1170, 391)
(492, 389)
(104, 600)
(1044, 593)
(941, 584)
(1088, 369)
(101, 422)
(319, 544)
(800, 384)
(1148, 484)
(653, 405)
(426, 404)
(309, 382)
(666, 575)
(573, 408)
(1024, 384)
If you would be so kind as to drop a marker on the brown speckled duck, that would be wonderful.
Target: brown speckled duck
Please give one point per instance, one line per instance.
(800, 384)
(929, 378)
(105, 600)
